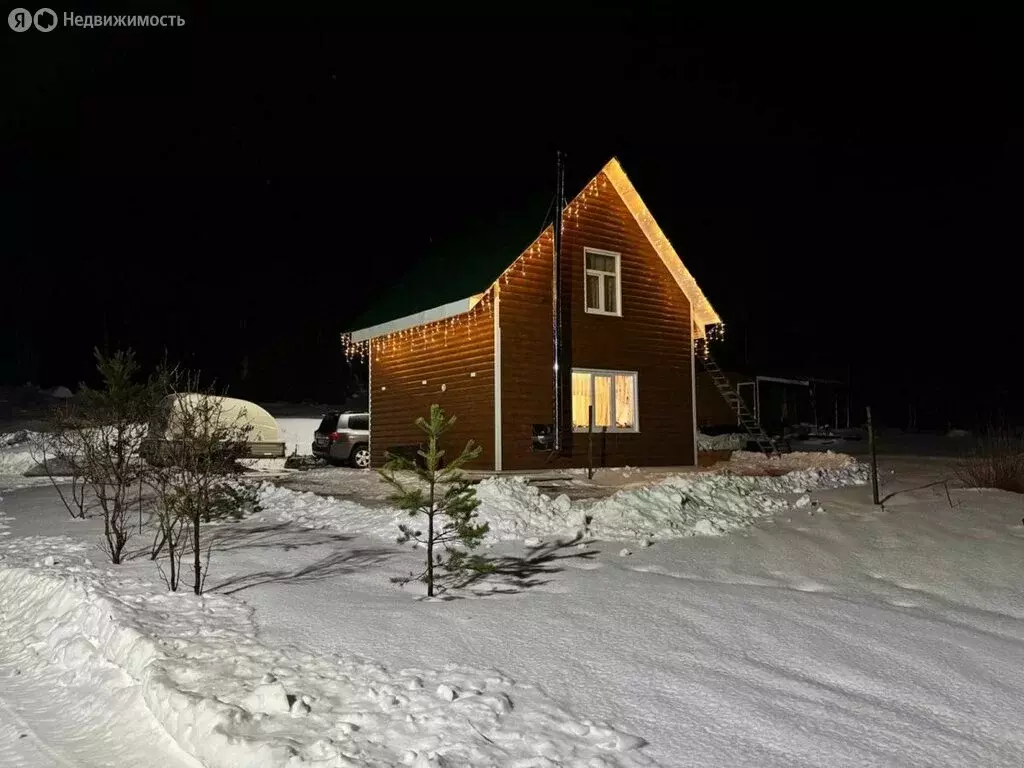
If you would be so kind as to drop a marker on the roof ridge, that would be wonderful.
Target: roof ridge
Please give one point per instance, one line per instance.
(442, 300)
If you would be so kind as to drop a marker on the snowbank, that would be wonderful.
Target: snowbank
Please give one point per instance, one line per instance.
(704, 503)
(297, 435)
(229, 700)
(8, 439)
(20, 450)
(311, 510)
(728, 442)
(16, 449)
(754, 463)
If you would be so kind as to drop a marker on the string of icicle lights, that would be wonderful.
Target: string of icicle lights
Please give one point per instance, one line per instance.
(440, 330)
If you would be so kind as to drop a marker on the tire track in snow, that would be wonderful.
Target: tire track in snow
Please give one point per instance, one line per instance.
(52, 716)
(20, 745)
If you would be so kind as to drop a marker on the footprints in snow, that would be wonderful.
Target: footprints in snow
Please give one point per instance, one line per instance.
(899, 601)
(782, 580)
(584, 565)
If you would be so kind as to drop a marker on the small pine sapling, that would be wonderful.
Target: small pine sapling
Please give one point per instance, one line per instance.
(443, 495)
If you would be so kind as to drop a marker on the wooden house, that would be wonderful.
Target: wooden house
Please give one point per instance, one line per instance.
(531, 348)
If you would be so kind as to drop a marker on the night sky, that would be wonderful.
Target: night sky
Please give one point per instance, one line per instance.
(847, 194)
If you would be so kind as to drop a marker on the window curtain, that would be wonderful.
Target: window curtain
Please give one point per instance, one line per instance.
(625, 408)
(602, 401)
(580, 400)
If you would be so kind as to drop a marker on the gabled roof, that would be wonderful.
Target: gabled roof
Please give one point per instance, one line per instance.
(456, 288)
(455, 269)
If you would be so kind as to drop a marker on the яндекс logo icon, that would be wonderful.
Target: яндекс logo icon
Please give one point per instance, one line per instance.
(19, 20)
(22, 20)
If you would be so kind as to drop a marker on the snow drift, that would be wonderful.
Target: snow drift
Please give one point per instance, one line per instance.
(704, 503)
(16, 451)
(229, 700)
(298, 434)
(755, 463)
(733, 441)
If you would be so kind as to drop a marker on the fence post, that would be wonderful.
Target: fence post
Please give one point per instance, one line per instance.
(874, 458)
(590, 442)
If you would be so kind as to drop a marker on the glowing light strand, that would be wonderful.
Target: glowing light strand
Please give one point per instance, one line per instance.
(421, 336)
(439, 330)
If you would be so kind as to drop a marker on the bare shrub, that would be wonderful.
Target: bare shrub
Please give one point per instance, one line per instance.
(171, 520)
(195, 474)
(996, 461)
(99, 440)
(59, 453)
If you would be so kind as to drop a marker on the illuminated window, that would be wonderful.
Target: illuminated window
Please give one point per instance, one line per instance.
(613, 395)
(602, 288)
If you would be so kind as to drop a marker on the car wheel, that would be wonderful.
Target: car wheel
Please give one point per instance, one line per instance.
(361, 457)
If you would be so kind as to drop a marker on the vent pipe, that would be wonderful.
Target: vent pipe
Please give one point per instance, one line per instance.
(556, 309)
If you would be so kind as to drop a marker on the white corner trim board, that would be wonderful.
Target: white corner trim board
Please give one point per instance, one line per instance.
(497, 378)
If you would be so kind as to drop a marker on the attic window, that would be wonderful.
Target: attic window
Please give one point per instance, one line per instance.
(602, 287)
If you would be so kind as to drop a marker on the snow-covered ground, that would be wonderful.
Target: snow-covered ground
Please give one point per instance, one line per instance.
(297, 434)
(121, 659)
(696, 503)
(806, 628)
(18, 452)
(830, 633)
(835, 634)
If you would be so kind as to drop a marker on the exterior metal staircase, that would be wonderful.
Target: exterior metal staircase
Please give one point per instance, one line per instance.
(746, 419)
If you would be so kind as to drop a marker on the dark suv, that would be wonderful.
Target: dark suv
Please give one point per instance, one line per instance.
(344, 437)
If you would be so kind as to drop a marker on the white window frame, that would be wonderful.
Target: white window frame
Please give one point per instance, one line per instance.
(594, 372)
(600, 273)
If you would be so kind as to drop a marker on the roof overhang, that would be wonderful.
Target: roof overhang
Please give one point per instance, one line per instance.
(702, 313)
(443, 312)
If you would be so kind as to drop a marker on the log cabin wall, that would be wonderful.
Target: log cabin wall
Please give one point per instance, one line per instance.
(652, 337)
(450, 363)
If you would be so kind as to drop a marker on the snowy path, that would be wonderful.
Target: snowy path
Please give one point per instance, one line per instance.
(52, 716)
